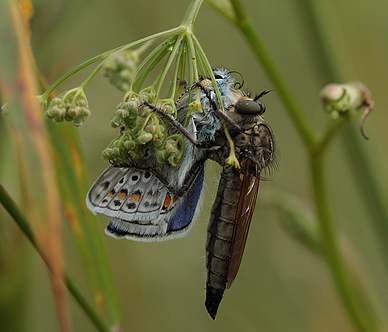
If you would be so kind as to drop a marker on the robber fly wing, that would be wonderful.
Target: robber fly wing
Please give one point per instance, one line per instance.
(246, 206)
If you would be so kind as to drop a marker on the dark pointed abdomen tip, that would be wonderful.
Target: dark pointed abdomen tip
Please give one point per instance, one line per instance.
(213, 299)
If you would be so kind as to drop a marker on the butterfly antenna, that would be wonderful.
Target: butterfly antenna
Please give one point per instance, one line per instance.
(238, 85)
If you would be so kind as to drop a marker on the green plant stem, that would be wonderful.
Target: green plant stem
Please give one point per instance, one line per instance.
(304, 127)
(162, 50)
(91, 76)
(168, 64)
(351, 290)
(192, 58)
(368, 183)
(73, 184)
(366, 179)
(359, 310)
(191, 14)
(179, 65)
(102, 56)
(358, 306)
(11, 207)
(332, 129)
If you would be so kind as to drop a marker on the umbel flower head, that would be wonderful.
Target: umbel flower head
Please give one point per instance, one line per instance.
(140, 126)
(71, 106)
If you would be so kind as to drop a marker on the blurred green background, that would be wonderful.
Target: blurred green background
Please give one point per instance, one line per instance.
(281, 285)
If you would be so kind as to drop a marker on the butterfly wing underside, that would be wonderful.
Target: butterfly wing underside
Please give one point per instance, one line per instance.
(246, 206)
(141, 207)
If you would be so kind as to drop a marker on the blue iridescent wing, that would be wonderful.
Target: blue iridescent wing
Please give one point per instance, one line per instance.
(141, 207)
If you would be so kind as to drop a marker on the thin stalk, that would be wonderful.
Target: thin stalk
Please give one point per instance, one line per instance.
(102, 56)
(191, 13)
(369, 185)
(14, 211)
(332, 129)
(358, 310)
(73, 184)
(147, 59)
(295, 111)
(201, 67)
(162, 75)
(139, 81)
(209, 69)
(358, 306)
(90, 77)
(190, 64)
(179, 63)
(192, 57)
(366, 179)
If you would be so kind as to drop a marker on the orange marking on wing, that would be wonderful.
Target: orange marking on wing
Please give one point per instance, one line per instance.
(175, 199)
(134, 197)
(122, 196)
(110, 194)
(167, 201)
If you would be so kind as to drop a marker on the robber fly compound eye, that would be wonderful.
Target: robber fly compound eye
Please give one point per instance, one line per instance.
(250, 107)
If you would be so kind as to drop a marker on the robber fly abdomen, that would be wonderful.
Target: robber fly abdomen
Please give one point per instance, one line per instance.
(220, 235)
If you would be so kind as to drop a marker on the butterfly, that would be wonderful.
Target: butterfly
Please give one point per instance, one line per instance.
(149, 201)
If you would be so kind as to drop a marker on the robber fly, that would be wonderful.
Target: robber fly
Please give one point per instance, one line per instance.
(150, 201)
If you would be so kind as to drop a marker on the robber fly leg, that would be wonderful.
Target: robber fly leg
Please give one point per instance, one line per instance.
(178, 125)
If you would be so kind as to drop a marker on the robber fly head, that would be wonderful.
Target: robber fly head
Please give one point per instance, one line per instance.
(251, 107)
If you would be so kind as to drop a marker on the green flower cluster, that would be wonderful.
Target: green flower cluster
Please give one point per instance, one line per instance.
(120, 68)
(140, 126)
(71, 106)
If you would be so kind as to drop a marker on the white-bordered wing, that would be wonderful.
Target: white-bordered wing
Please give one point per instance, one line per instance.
(141, 207)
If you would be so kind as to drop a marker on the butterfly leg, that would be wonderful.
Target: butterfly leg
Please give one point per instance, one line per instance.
(220, 114)
(203, 145)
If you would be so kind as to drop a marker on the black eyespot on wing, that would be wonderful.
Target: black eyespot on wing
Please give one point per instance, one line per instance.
(131, 205)
(137, 192)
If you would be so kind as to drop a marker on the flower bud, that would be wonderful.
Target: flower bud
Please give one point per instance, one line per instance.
(71, 105)
(162, 156)
(168, 107)
(120, 68)
(148, 95)
(144, 138)
(345, 99)
(342, 98)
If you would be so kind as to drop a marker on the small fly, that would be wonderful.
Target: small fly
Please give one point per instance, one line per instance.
(150, 201)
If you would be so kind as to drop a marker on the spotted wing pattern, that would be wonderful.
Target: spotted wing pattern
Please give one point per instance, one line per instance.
(141, 207)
